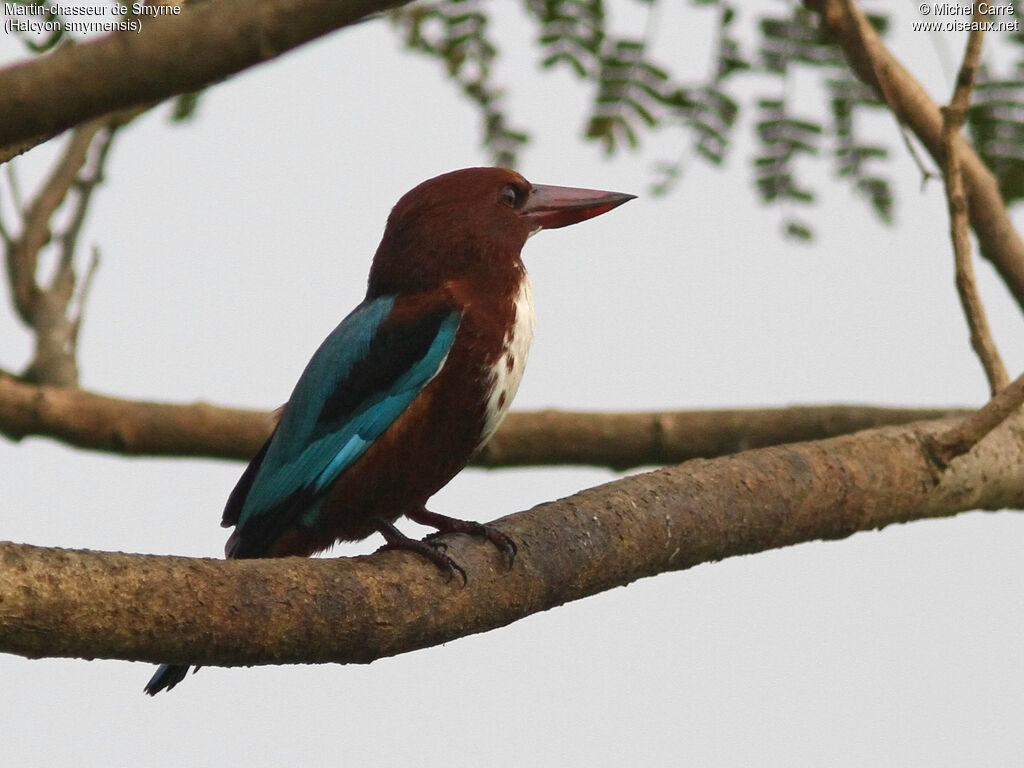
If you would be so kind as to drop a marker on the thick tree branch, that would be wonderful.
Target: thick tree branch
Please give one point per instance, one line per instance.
(875, 65)
(629, 440)
(616, 440)
(173, 54)
(112, 605)
(87, 420)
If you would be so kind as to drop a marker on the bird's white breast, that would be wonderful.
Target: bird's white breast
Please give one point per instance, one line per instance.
(507, 372)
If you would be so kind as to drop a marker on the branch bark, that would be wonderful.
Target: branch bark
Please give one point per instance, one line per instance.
(173, 54)
(541, 438)
(875, 65)
(113, 605)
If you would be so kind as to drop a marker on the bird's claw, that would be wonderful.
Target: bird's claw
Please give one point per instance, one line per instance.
(445, 524)
(504, 543)
(501, 541)
(434, 551)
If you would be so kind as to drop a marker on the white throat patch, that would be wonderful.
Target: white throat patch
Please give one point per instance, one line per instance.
(508, 370)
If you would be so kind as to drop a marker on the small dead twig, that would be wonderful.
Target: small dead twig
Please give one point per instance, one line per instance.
(882, 87)
(958, 440)
(77, 307)
(12, 183)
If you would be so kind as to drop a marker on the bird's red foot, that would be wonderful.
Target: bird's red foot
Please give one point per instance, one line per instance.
(434, 551)
(445, 524)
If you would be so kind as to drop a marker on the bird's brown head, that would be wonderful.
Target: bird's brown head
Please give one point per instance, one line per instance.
(472, 223)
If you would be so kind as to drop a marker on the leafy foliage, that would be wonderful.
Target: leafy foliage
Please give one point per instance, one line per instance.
(797, 40)
(571, 33)
(996, 122)
(852, 157)
(456, 33)
(51, 29)
(634, 94)
(782, 138)
(185, 106)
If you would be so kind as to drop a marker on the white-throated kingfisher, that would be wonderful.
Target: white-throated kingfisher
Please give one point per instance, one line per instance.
(412, 383)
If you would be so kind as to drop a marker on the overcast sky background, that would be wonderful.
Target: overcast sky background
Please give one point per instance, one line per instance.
(233, 245)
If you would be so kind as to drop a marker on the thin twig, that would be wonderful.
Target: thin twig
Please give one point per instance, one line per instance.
(77, 308)
(958, 440)
(926, 173)
(12, 180)
(5, 236)
(953, 118)
(881, 86)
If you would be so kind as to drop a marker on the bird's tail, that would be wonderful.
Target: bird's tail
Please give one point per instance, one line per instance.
(166, 677)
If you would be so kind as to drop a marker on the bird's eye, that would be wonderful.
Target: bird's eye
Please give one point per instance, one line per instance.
(512, 197)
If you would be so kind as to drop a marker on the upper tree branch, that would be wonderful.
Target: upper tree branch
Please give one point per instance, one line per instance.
(88, 604)
(617, 440)
(875, 65)
(173, 54)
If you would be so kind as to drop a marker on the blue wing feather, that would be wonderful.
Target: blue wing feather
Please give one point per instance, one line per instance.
(364, 375)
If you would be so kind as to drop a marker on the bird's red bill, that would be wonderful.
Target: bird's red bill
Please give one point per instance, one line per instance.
(551, 207)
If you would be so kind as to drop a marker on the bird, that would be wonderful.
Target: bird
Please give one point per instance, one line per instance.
(412, 383)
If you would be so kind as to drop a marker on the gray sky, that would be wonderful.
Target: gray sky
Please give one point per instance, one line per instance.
(231, 246)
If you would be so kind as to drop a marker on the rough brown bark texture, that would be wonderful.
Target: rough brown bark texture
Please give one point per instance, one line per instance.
(112, 605)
